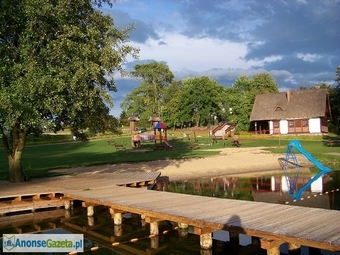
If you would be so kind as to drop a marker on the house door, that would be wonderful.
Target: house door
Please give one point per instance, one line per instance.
(276, 127)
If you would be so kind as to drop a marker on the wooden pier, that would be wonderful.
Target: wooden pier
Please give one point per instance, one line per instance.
(274, 224)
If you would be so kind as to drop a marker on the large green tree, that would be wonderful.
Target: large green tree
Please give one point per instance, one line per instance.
(56, 61)
(241, 96)
(147, 99)
(199, 100)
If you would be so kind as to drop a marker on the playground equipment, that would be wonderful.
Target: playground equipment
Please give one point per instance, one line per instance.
(160, 132)
(290, 159)
(222, 131)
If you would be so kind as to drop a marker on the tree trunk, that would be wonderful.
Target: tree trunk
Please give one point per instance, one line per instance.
(15, 169)
(14, 143)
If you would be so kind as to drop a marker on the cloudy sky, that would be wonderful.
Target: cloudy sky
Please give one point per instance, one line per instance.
(296, 41)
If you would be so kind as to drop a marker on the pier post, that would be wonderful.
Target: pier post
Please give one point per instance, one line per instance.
(273, 251)
(272, 246)
(67, 204)
(182, 229)
(90, 211)
(90, 221)
(206, 241)
(153, 225)
(118, 230)
(67, 214)
(154, 228)
(116, 216)
(154, 242)
(182, 225)
(206, 252)
(294, 248)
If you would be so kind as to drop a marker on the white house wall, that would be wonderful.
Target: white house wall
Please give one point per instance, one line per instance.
(284, 127)
(271, 127)
(314, 125)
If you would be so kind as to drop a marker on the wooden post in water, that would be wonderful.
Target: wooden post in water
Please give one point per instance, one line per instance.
(154, 242)
(90, 210)
(182, 229)
(273, 251)
(272, 246)
(206, 241)
(67, 204)
(90, 221)
(294, 248)
(154, 228)
(153, 225)
(117, 216)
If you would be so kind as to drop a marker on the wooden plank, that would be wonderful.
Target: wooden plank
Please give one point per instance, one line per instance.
(29, 205)
(271, 221)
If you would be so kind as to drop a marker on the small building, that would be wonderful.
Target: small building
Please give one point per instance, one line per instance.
(133, 119)
(292, 112)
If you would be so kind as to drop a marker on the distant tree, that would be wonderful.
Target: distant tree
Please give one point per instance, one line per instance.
(240, 101)
(241, 96)
(337, 75)
(155, 76)
(334, 98)
(56, 60)
(302, 87)
(263, 83)
(170, 113)
(199, 99)
(139, 102)
(123, 119)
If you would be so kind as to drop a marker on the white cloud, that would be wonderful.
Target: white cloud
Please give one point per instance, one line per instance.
(309, 57)
(197, 53)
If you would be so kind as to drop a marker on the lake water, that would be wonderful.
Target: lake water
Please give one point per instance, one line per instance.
(101, 232)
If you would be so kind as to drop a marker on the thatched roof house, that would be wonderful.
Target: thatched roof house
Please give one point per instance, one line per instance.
(291, 112)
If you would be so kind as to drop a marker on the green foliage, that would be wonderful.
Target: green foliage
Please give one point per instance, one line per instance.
(199, 99)
(170, 114)
(334, 98)
(147, 99)
(56, 61)
(241, 96)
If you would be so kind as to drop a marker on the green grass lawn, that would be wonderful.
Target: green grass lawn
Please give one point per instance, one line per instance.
(39, 159)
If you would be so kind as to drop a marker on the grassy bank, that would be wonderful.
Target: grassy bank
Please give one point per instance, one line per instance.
(65, 153)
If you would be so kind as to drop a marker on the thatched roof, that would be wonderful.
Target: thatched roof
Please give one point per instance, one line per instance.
(300, 104)
(133, 118)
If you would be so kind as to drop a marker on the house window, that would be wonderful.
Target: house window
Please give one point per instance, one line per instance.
(277, 109)
(291, 123)
(305, 123)
(276, 124)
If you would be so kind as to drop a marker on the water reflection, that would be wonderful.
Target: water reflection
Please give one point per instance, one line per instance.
(323, 193)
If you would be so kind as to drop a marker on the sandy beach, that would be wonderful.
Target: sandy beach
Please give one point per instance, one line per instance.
(246, 162)
(230, 161)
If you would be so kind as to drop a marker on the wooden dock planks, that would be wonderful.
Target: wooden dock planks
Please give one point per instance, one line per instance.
(29, 202)
(311, 227)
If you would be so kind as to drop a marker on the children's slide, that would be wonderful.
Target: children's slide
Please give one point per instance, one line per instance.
(168, 144)
(323, 169)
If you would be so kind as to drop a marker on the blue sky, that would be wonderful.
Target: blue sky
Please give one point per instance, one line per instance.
(296, 41)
